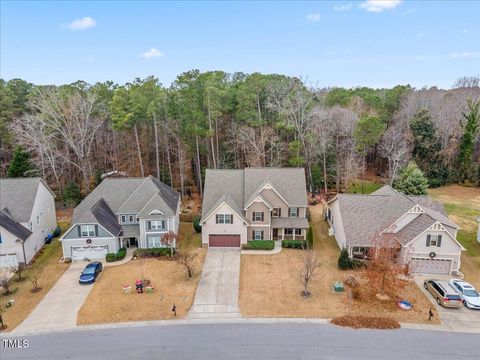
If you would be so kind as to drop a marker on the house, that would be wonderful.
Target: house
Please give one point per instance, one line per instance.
(253, 204)
(419, 226)
(122, 212)
(478, 231)
(27, 216)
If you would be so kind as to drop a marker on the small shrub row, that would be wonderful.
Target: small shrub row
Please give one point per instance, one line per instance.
(259, 245)
(294, 244)
(120, 255)
(153, 252)
(346, 263)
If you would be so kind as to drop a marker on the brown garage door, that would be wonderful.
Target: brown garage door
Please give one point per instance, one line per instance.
(224, 240)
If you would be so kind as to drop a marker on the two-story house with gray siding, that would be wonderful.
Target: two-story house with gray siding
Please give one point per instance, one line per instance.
(253, 204)
(27, 216)
(122, 212)
(417, 225)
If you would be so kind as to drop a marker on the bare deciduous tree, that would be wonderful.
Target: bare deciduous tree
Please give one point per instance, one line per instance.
(306, 270)
(33, 274)
(186, 258)
(5, 282)
(396, 147)
(170, 239)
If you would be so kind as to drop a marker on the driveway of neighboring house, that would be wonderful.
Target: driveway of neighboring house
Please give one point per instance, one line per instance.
(455, 319)
(217, 292)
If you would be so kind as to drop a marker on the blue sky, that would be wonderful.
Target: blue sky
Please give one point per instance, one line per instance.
(343, 43)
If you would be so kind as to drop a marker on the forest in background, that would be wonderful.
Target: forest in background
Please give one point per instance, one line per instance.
(72, 134)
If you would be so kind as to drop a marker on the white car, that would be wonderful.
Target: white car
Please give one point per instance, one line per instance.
(470, 296)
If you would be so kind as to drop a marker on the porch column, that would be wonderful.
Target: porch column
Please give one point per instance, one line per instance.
(293, 234)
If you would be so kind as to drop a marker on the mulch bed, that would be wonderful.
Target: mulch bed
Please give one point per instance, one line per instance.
(366, 322)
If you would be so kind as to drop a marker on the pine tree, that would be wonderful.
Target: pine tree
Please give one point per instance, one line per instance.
(412, 181)
(71, 194)
(21, 164)
(467, 143)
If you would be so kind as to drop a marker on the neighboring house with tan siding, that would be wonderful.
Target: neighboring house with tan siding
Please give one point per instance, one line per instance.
(253, 204)
(418, 225)
(27, 216)
(122, 212)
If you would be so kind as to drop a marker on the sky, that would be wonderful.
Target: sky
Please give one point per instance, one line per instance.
(344, 43)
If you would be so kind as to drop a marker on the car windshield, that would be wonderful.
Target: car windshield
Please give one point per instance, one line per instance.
(470, 293)
(89, 270)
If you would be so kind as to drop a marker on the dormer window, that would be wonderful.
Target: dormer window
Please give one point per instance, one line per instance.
(277, 212)
(128, 219)
(293, 212)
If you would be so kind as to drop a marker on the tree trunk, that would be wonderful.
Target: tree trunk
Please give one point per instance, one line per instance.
(169, 161)
(180, 167)
(211, 137)
(138, 151)
(199, 169)
(157, 155)
(325, 172)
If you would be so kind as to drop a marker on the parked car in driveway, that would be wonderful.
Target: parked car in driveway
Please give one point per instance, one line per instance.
(444, 293)
(470, 296)
(90, 273)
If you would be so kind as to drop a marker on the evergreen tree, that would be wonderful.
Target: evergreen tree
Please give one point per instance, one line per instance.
(21, 164)
(427, 148)
(412, 181)
(71, 194)
(467, 143)
(344, 262)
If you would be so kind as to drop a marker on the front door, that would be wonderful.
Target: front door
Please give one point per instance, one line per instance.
(133, 241)
(275, 234)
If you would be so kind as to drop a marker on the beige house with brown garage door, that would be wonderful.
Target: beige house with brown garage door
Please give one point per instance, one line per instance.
(253, 204)
(420, 227)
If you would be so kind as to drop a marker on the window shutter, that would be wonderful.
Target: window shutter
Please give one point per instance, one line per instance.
(216, 218)
(149, 225)
(439, 240)
(253, 234)
(79, 230)
(279, 212)
(253, 215)
(428, 240)
(288, 212)
(262, 216)
(231, 218)
(96, 230)
(262, 236)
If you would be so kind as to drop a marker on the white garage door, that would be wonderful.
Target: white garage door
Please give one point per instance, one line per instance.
(89, 252)
(8, 260)
(431, 266)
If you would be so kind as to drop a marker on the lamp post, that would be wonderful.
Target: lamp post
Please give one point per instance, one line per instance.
(23, 249)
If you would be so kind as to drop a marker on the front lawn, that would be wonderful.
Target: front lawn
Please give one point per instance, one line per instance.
(107, 303)
(25, 301)
(268, 287)
(462, 205)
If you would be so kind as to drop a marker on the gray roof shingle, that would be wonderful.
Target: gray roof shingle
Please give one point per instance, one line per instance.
(283, 222)
(13, 227)
(106, 217)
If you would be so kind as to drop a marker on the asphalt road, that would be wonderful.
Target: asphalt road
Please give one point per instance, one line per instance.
(247, 341)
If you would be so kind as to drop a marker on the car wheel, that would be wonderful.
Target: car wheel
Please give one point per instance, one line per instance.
(438, 301)
(465, 303)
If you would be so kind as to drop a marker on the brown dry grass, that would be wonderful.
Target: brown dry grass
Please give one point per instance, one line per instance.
(269, 289)
(107, 303)
(25, 301)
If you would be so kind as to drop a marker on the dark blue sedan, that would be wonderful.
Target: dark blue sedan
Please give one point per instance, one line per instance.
(90, 273)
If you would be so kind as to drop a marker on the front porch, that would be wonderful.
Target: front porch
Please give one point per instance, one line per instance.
(289, 228)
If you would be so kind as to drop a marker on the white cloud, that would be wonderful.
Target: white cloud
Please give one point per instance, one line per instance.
(314, 17)
(150, 54)
(82, 24)
(379, 5)
(343, 7)
(462, 55)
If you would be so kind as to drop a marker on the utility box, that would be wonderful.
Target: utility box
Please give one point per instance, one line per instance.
(338, 286)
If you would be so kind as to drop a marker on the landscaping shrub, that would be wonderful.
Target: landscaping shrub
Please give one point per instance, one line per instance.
(259, 245)
(153, 252)
(121, 253)
(294, 244)
(310, 238)
(196, 224)
(366, 322)
(345, 263)
(111, 257)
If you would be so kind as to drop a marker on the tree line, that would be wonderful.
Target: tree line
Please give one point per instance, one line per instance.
(77, 133)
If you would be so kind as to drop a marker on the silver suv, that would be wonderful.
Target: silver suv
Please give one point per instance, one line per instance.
(444, 293)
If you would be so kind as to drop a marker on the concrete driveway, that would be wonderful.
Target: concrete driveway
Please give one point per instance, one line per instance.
(58, 309)
(217, 292)
(456, 319)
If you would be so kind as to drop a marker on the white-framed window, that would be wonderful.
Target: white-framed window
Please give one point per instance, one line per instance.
(131, 218)
(277, 212)
(157, 225)
(128, 219)
(293, 212)
(288, 231)
(359, 250)
(257, 216)
(154, 242)
(224, 218)
(434, 240)
(298, 231)
(38, 219)
(87, 230)
(123, 219)
(257, 235)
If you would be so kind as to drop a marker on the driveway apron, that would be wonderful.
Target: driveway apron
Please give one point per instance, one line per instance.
(58, 309)
(217, 292)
